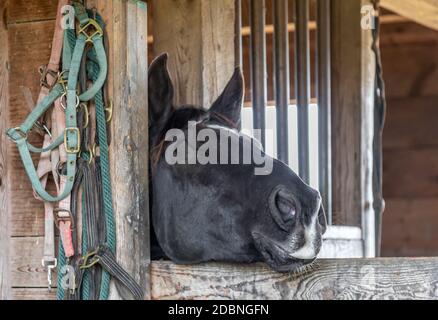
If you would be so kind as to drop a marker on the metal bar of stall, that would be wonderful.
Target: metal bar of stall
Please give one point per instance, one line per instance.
(238, 34)
(258, 66)
(302, 84)
(324, 104)
(282, 81)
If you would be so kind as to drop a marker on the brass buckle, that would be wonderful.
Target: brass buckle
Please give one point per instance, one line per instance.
(77, 147)
(91, 24)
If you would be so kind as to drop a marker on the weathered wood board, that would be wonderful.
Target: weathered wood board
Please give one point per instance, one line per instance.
(364, 279)
(21, 11)
(411, 123)
(27, 218)
(33, 294)
(422, 11)
(25, 263)
(410, 227)
(411, 70)
(411, 173)
(5, 204)
(201, 52)
(352, 85)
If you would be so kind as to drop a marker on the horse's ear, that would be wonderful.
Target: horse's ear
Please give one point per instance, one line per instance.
(229, 103)
(160, 91)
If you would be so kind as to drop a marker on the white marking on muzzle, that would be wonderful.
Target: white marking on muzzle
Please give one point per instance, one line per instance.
(308, 250)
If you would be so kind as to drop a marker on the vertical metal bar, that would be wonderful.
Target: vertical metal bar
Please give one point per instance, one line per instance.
(324, 104)
(302, 84)
(282, 81)
(258, 66)
(238, 34)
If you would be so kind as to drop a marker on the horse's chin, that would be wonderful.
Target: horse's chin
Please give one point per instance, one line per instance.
(279, 258)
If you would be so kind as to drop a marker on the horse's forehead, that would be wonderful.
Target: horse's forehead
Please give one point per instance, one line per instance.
(245, 136)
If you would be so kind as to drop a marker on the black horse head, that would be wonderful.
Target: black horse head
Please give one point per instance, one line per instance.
(225, 212)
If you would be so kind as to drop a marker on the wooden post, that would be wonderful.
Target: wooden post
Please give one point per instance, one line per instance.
(126, 23)
(353, 75)
(200, 39)
(4, 178)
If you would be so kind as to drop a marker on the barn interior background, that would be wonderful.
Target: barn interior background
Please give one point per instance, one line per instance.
(200, 37)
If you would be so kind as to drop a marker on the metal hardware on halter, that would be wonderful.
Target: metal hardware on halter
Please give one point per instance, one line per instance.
(20, 132)
(86, 115)
(77, 147)
(44, 71)
(66, 218)
(91, 24)
(109, 111)
(65, 95)
(62, 80)
(92, 152)
(42, 128)
(89, 260)
(49, 264)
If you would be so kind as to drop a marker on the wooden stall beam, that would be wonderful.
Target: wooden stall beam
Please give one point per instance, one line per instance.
(360, 279)
(397, 278)
(424, 12)
(200, 39)
(4, 158)
(353, 75)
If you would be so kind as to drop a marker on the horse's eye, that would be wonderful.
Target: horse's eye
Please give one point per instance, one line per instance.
(287, 209)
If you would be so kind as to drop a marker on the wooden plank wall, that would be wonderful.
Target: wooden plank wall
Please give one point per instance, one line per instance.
(4, 186)
(410, 140)
(30, 29)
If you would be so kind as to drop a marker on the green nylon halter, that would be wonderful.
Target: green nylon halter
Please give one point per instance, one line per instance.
(97, 67)
(71, 136)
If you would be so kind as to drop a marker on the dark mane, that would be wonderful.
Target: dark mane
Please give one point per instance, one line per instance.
(181, 116)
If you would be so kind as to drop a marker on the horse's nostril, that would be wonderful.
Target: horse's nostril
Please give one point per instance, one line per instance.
(283, 208)
(286, 207)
